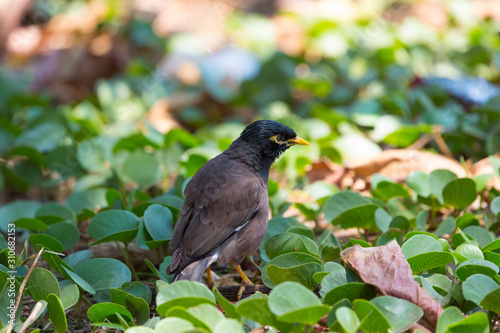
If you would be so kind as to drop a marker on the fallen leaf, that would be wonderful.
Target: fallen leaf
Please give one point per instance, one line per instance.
(386, 268)
(399, 163)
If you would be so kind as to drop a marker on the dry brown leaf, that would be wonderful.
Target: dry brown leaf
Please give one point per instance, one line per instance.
(386, 268)
(159, 116)
(399, 163)
(484, 167)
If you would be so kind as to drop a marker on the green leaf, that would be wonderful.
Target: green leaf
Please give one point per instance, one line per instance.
(137, 306)
(401, 314)
(419, 244)
(69, 293)
(466, 220)
(429, 260)
(460, 193)
(256, 308)
(101, 312)
(138, 289)
(437, 181)
(287, 242)
(421, 222)
(449, 316)
(293, 303)
(467, 251)
(204, 316)
(349, 291)
(30, 153)
(350, 210)
(294, 266)
(228, 307)
(447, 226)
(332, 317)
(6, 305)
(67, 234)
(348, 319)
(482, 181)
(79, 281)
(476, 266)
(477, 286)
(417, 181)
(228, 325)
(183, 293)
(113, 225)
(481, 235)
(372, 319)
(55, 210)
(103, 273)
(169, 200)
(494, 206)
(477, 322)
(56, 313)
(158, 221)
(338, 276)
(47, 241)
(16, 210)
(141, 168)
(31, 224)
(89, 199)
(173, 325)
(382, 219)
(42, 283)
(76, 258)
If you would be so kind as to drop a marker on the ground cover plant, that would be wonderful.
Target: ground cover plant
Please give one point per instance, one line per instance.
(389, 221)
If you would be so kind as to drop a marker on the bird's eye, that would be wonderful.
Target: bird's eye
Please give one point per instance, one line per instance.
(279, 139)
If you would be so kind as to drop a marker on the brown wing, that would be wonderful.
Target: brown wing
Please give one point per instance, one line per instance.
(220, 198)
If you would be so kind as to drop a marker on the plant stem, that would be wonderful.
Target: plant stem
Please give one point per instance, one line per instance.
(129, 259)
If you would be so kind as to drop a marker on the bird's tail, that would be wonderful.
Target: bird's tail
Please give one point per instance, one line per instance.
(193, 271)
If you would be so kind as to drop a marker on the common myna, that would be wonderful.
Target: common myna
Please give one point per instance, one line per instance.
(226, 208)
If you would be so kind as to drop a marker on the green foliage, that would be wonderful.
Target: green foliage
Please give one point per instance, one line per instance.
(349, 94)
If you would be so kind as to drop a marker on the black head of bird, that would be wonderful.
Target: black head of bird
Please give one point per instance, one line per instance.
(226, 207)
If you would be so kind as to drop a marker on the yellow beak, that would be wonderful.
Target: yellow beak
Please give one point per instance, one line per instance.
(297, 141)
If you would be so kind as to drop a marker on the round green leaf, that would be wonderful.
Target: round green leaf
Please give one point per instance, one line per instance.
(55, 209)
(65, 233)
(467, 251)
(350, 210)
(229, 325)
(287, 242)
(69, 293)
(477, 286)
(31, 224)
(476, 266)
(183, 293)
(113, 225)
(101, 312)
(88, 199)
(56, 313)
(173, 325)
(47, 241)
(296, 266)
(460, 193)
(417, 181)
(429, 260)
(16, 210)
(74, 259)
(158, 221)
(141, 168)
(104, 273)
(136, 305)
(372, 319)
(348, 319)
(293, 303)
(349, 291)
(481, 235)
(419, 244)
(41, 284)
(449, 316)
(228, 307)
(437, 181)
(495, 206)
(400, 313)
(447, 226)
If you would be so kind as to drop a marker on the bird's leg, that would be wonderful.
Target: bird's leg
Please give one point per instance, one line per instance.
(211, 284)
(245, 281)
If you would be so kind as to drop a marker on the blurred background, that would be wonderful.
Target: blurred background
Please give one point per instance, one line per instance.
(111, 93)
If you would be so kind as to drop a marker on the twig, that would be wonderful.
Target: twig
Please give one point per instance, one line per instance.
(21, 289)
(436, 131)
(32, 317)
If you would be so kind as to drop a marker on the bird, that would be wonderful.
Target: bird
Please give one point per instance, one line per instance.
(226, 207)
